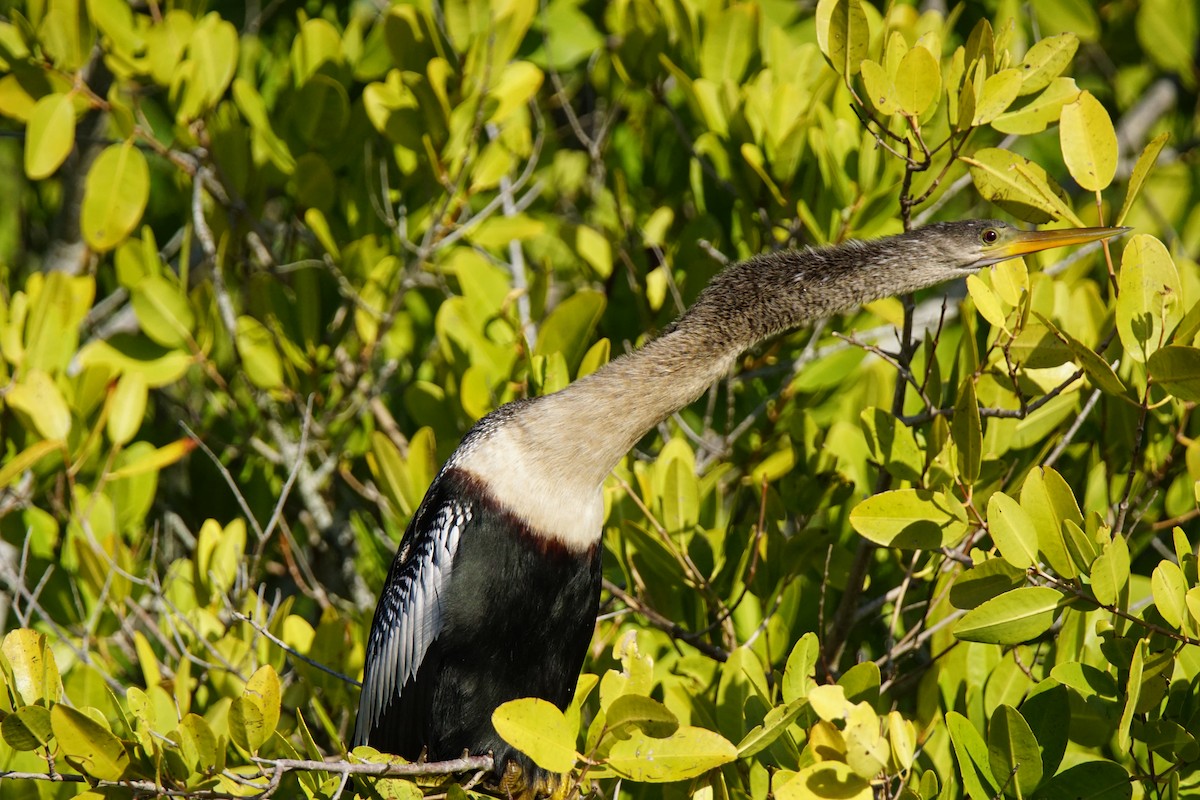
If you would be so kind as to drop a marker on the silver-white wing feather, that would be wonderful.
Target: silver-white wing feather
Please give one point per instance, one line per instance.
(409, 616)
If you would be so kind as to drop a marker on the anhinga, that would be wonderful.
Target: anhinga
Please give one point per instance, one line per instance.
(494, 591)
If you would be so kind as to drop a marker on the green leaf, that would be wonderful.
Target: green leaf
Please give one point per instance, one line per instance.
(1092, 780)
(918, 81)
(1167, 32)
(28, 728)
(1089, 142)
(1169, 587)
(892, 444)
(647, 715)
(1013, 753)
(127, 408)
(197, 743)
(49, 135)
(594, 248)
(999, 91)
(1049, 501)
(1046, 60)
(260, 359)
(987, 303)
(1040, 112)
(1099, 371)
(114, 196)
(971, 752)
(321, 112)
(263, 687)
(910, 518)
(154, 460)
(211, 63)
(801, 668)
(687, 753)
(842, 34)
(247, 727)
(1012, 530)
(1150, 303)
(1177, 369)
(726, 48)
(1045, 711)
(37, 395)
(1012, 618)
(879, 87)
(967, 431)
(163, 311)
(984, 581)
(88, 745)
(824, 780)
(538, 729)
(13, 468)
(569, 327)
(1133, 690)
(1141, 170)
(1019, 186)
(680, 496)
(774, 724)
(1110, 571)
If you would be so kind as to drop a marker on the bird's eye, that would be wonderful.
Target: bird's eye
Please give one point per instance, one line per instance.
(990, 235)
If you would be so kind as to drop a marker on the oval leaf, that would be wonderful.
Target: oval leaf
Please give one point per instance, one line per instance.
(538, 729)
(687, 753)
(114, 196)
(1089, 143)
(1012, 618)
(88, 745)
(1012, 530)
(910, 518)
(49, 136)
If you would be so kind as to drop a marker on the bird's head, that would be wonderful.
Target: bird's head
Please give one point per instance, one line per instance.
(972, 244)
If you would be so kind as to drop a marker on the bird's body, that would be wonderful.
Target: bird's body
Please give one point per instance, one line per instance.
(494, 591)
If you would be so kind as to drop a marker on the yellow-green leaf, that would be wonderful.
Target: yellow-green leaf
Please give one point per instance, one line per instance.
(594, 248)
(127, 408)
(1110, 571)
(1089, 142)
(880, 90)
(247, 727)
(822, 781)
(967, 431)
(1046, 60)
(162, 310)
(538, 729)
(1140, 170)
(1019, 186)
(1013, 751)
(114, 196)
(987, 303)
(842, 34)
(14, 467)
(28, 728)
(1012, 531)
(260, 358)
(37, 395)
(1169, 587)
(263, 688)
(1175, 368)
(918, 81)
(49, 135)
(1012, 618)
(910, 518)
(155, 460)
(88, 745)
(687, 753)
(1150, 302)
(999, 91)
(1037, 114)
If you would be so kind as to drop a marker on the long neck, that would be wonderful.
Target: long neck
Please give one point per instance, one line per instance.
(591, 424)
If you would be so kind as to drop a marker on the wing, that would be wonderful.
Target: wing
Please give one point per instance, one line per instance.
(410, 612)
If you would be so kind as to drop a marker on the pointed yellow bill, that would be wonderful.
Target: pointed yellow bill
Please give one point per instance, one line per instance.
(1018, 243)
